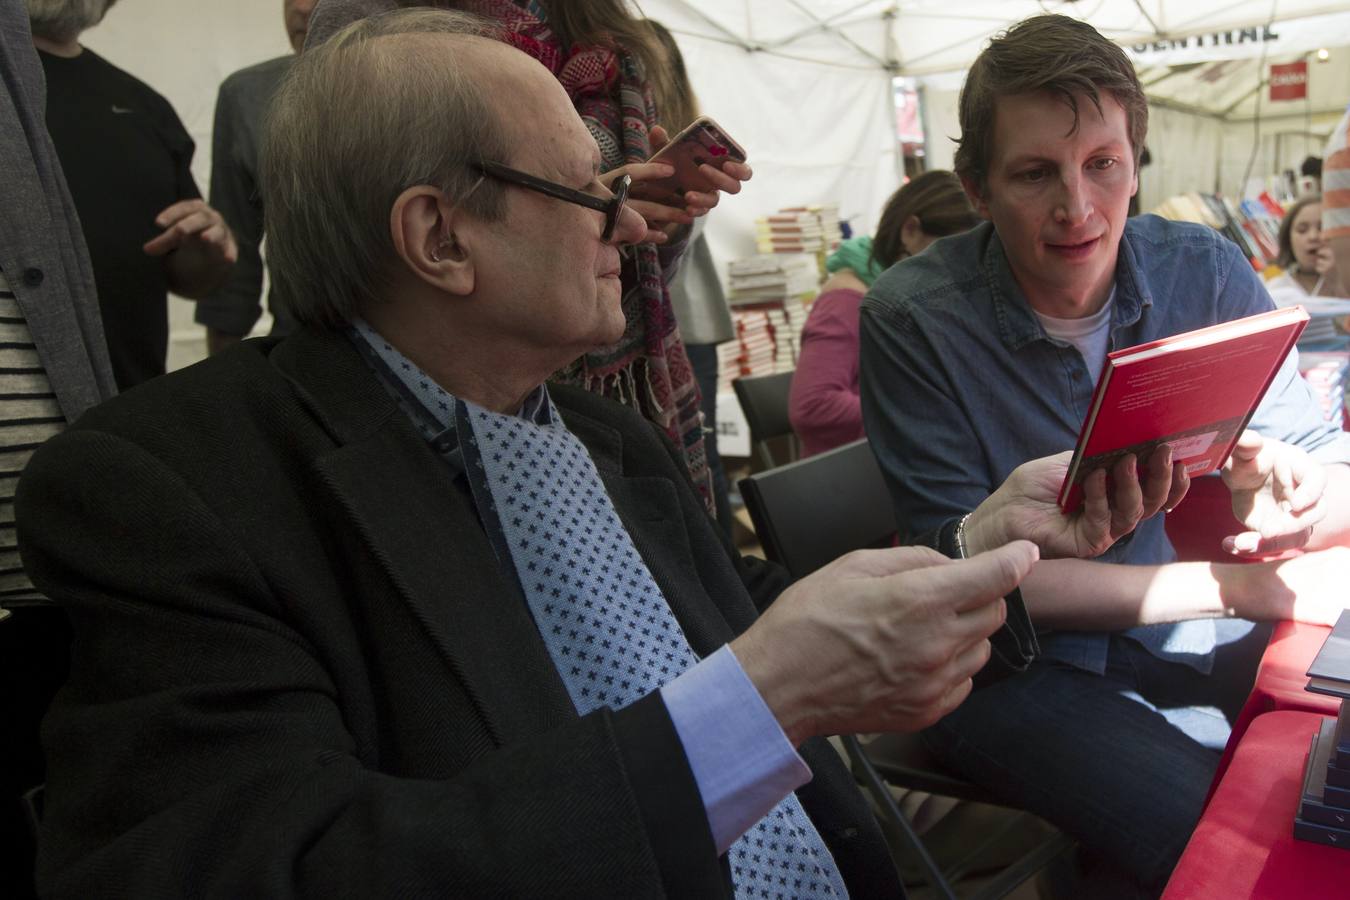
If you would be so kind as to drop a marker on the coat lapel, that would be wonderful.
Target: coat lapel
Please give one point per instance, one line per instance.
(421, 528)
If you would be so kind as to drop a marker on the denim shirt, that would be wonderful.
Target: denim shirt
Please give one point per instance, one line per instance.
(961, 384)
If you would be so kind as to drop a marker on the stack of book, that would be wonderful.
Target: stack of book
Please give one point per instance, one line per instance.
(773, 278)
(768, 297)
(800, 229)
(768, 339)
(1325, 373)
(1324, 813)
(754, 350)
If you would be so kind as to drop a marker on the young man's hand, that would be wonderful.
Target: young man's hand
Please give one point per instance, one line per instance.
(1025, 506)
(1277, 493)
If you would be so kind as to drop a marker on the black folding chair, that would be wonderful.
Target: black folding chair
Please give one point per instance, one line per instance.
(809, 513)
(764, 400)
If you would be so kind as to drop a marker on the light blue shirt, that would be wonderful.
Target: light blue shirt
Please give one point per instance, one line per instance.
(740, 757)
(961, 384)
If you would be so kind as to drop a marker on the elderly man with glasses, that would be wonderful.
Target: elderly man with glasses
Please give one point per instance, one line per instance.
(370, 611)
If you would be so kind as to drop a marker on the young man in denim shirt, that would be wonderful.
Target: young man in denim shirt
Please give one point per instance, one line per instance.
(981, 353)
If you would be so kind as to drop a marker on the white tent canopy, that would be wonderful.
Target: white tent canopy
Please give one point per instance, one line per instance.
(806, 85)
(803, 80)
(919, 37)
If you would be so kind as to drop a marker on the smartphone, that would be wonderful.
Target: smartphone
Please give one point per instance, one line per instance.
(703, 141)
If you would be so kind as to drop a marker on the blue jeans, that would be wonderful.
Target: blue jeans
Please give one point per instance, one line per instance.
(1120, 762)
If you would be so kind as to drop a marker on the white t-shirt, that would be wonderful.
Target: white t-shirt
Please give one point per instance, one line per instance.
(1091, 334)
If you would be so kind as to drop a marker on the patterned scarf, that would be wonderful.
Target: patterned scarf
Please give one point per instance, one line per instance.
(648, 368)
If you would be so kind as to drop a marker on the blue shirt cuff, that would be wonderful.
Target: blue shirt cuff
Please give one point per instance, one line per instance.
(740, 757)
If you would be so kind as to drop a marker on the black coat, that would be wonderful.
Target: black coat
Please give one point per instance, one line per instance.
(299, 671)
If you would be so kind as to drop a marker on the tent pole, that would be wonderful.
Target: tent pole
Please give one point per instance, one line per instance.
(820, 23)
(1151, 24)
(731, 35)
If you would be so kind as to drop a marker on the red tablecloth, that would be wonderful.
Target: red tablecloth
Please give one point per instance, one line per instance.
(1280, 682)
(1244, 845)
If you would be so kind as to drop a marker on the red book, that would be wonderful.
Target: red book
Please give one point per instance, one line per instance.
(1194, 391)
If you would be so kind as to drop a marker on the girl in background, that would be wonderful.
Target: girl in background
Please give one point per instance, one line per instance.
(1306, 260)
(824, 403)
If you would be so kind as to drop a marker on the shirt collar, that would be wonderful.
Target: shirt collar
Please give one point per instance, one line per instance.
(430, 407)
(1018, 324)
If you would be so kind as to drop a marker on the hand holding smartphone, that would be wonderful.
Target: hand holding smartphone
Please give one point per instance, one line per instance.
(703, 141)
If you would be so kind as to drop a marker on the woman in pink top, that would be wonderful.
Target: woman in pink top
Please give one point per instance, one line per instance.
(823, 405)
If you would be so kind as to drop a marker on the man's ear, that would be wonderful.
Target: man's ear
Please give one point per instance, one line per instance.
(426, 241)
(975, 196)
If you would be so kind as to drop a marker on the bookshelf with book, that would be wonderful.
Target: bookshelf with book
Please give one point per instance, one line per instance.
(1252, 224)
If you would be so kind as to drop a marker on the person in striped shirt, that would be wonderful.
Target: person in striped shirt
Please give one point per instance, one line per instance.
(53, 366)
(1336, 206)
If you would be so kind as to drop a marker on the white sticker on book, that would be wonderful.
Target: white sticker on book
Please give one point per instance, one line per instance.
(1192, 445)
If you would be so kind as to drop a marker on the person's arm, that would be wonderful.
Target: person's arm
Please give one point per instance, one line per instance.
(1084, 595)
(823, 404)
(195, 244)
(231, 311)
(203, 744)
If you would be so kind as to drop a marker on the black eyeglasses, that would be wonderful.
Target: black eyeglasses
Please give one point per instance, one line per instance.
(611, 207)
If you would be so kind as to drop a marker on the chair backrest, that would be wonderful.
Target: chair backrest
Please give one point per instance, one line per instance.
(764, 400)
(811, 512)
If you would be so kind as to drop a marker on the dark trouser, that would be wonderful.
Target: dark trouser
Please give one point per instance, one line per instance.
(703, 360)
(34, 663)
(1120, 762)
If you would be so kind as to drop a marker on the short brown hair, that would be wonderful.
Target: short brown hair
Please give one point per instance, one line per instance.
(1057, 54)
(936, 199)
(1286, 257)
(376, 109)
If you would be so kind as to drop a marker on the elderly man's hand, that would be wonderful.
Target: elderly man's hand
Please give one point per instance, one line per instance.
(1277, 494)
(662, 220)
(880, 640)
(1025, 506)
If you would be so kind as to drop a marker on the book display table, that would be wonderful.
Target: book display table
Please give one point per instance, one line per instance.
(1280, 682)
(1244, 845)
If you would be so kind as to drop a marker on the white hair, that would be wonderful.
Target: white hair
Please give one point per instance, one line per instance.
(65, 20)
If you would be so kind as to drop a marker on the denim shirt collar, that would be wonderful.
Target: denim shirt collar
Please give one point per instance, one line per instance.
(1018, 325)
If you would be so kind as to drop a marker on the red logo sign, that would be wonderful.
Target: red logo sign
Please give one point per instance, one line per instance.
(1289, 81)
